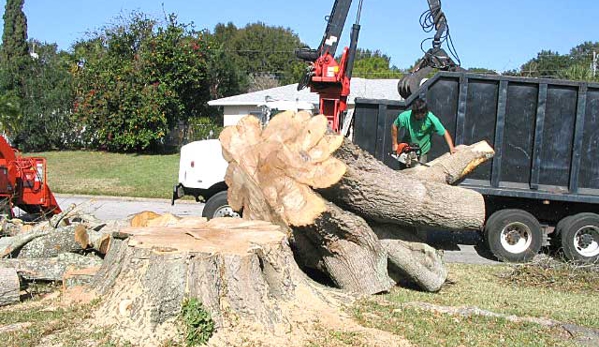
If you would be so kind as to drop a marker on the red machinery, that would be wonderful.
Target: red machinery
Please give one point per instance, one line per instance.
(331, 80)
(23, 183)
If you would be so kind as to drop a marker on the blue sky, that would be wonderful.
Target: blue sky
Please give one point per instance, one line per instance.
(500, 34)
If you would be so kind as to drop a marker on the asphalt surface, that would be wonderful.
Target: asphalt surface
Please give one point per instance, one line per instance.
(459, 247)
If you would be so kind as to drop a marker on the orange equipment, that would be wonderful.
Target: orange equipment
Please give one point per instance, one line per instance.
(23, 183)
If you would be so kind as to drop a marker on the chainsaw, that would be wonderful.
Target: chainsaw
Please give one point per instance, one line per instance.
(408, 154)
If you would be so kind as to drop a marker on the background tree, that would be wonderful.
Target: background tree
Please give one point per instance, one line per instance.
(47, 101)
(15, 52)
(482, 70)
(258, 50)
(374, 64)
(10, 115)
(138, 80)
(14, 55)
(576, 65)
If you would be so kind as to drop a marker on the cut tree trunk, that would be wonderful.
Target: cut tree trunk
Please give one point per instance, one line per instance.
(243, 273)
(281, 174)
(56, 241)
(97, 235)
(349, 251)
(346, 248)
(49, 269)
(451, 168)
(9, 245)
(375, 191)
(411, 259)
(10, 286)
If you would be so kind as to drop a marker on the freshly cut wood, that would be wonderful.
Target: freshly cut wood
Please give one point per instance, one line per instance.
(242, 271)
(291, 157)
(141, 219)
(97, 234)
(92, 239)
(280, 192)
(452, 168)
(49, 269)
(376, 192)
(10, 286)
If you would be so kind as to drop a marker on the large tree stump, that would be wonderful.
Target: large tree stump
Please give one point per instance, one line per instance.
(243, 272)
(326, 192)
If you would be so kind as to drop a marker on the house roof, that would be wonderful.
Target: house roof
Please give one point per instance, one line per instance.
(360, 88)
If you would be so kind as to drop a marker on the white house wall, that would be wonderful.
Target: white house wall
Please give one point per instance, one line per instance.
(232, 114)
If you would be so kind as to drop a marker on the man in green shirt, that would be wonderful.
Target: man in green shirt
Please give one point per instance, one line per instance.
(420, 124)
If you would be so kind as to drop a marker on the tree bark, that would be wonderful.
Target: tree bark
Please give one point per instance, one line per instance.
(57, 241)
(411, 259)
(349, 251)
(278, 174)
(371, 189)
(242, 271)
(9, 245)
(49, 269)
(10, 287)
(449, 168)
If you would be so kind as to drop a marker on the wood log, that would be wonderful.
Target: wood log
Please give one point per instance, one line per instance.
(271, 181)
(97, 235)
(278, 175)
(449, 168)
(49, 269)
(92, 239)
(10, 245)
(10, 286)
(349, 251)
(411, 259)
(376, 192)
(57, 241)
(243, 272)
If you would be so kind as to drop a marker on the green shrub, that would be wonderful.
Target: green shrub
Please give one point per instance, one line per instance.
(199, 326)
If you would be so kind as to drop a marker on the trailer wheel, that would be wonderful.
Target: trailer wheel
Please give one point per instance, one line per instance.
(218, 206)
(580, 238)
(513, 235)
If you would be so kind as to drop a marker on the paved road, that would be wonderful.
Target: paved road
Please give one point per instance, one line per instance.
(461, 247)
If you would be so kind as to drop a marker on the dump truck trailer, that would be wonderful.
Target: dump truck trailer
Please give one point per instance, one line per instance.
(542, 186)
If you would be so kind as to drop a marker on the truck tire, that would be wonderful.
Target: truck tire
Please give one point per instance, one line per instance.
(218, 206)
(580, 238)
(555, 239)
(513, 235)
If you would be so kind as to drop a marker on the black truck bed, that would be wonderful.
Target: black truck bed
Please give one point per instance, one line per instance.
(545, 134)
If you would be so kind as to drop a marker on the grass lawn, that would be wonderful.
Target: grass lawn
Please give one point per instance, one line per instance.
(568, 299)
(101, 173)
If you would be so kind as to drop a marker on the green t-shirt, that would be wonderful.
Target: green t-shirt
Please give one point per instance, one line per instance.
(419, 131)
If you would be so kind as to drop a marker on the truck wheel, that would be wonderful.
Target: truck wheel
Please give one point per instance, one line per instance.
(555, 239)
(513, 235)
(580, 238)
(218, 206)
